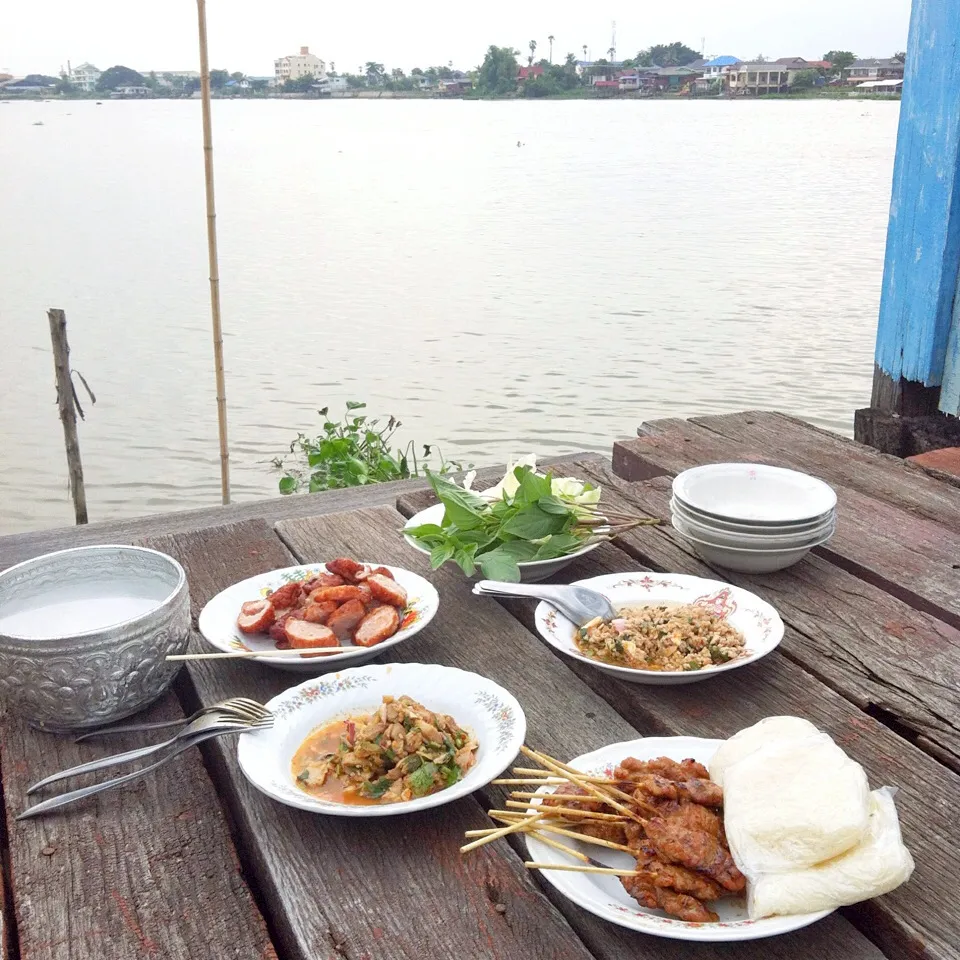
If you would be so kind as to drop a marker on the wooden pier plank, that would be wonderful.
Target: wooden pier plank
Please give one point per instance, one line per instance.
(875, 650)
(145, 870)
(347, 887)
(563, 715)
(836, 459)
(907, 555)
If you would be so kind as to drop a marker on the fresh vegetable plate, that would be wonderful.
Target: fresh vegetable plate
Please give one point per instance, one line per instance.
(484, 709)
(604, 895)
(218, 619)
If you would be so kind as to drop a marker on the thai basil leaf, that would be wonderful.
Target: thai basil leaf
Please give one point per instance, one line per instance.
(463, 508)
(534, 524)
(498, 565)
(551, 504)
(441, 553)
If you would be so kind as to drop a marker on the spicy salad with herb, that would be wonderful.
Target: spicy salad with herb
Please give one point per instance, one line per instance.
(399, 752)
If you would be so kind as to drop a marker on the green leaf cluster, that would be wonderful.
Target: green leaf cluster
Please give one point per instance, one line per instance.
(495, 537)
(352, 452)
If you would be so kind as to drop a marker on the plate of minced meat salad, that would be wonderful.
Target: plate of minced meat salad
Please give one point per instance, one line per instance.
(669, 628)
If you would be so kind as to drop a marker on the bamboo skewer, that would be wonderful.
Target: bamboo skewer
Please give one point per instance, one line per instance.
(545, 775)
(574, 835)
(567, 812)
(307, 652)
(497, 834)
(530, 782)
(575, 868)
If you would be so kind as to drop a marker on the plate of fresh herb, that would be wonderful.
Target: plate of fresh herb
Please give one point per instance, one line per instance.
(526, 528)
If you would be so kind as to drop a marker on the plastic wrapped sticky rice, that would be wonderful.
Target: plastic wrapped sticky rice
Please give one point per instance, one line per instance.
(802, 823)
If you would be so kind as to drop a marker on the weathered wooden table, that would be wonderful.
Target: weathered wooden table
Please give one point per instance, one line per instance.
(196, 863)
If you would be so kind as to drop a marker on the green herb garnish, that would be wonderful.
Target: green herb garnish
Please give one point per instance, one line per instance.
(421, 780)
(376, 789)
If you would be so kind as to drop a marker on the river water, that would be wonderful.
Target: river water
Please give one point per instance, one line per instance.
(505, 277)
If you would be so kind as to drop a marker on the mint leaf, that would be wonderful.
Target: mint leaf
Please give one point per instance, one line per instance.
(421, 780)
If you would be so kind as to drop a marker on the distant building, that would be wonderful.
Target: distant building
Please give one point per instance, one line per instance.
(169, 78)
(130, 91)
(31, 83)
(330, 85)
(675, 78)
(878, 69)
(84, 77)
(302, 64)
(460, 85)
(529, 73)
(798, 63)
(718, 67)
(758, 77)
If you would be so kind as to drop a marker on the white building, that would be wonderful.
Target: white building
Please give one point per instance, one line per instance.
(302, 64)
(84, 77)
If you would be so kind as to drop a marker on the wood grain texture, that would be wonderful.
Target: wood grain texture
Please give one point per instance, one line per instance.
(146, 870)
(349, 888)
(23, 546)
(563, 715)
(839, 460)
(907, 555)
(6, 912)
(872, 648)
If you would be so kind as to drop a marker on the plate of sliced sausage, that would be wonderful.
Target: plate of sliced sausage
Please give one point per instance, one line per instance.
(366, 607)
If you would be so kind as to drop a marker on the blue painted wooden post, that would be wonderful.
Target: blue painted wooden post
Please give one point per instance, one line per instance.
(918, 337)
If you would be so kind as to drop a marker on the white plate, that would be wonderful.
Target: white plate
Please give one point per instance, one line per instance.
(759, 623)
(605, 897)
(751, 561)
(744, 541)
(753, 529)
(754, 493)
(218, 619)
(532, 571)
(479, 705)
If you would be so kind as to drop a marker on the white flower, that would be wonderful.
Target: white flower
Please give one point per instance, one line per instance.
(510, 484)
(575, 491)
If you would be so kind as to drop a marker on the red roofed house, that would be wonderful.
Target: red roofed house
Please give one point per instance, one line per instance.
(529, 73)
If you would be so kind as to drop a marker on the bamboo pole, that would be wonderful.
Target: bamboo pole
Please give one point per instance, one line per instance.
(68, 413)
(212, 252)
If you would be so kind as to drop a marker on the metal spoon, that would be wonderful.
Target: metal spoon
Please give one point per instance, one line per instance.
(578, 604)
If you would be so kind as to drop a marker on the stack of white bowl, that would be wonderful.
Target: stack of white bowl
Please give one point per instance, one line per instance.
(750, 517)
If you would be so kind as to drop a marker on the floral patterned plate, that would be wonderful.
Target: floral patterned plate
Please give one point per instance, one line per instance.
(479, 705)
(218, 619)
(759, 623)
(605, 896)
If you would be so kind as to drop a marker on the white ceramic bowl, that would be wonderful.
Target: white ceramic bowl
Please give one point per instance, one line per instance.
(532, 571)
(724, 538)
(479, 705)
(750, 561)
(218, 619)
(605, 897)
(759, 622)
(764, 529)
(754, 493)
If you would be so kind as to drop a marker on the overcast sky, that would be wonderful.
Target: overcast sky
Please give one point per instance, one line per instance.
(248, 35)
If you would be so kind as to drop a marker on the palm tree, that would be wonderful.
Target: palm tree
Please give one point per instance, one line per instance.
(610, 52)
(584, 52)
(550, 39)
(533, 49)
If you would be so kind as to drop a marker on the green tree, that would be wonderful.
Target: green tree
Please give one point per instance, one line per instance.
(302, 84)
(497, 74)
(375, 72)
(841, 60)
(571, 60)
(119, 76)
(550, 40)
(218, 78)
(416, 72)
(674, 54)
(236, 76)
(257, 86)
(533, 49)
(804, 80)
(65, 87)
(901, 55)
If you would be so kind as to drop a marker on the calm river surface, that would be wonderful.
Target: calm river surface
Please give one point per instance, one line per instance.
(630, 260)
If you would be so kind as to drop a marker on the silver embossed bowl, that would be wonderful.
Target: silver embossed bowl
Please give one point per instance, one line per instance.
(84, 634)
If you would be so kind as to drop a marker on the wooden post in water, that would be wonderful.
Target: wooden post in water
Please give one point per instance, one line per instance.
(68, 412)
(212, 253)
(917, 374)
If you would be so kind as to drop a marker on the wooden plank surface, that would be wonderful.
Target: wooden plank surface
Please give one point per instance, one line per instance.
(910, 556)
(15, 548)
(563, 715)
(875, 650)
(146, 870)
(346, 887)
(836, 459)
(915, 914)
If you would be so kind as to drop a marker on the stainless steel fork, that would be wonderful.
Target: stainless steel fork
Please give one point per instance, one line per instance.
(242, 706)
(184, 744)
(224, 721)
